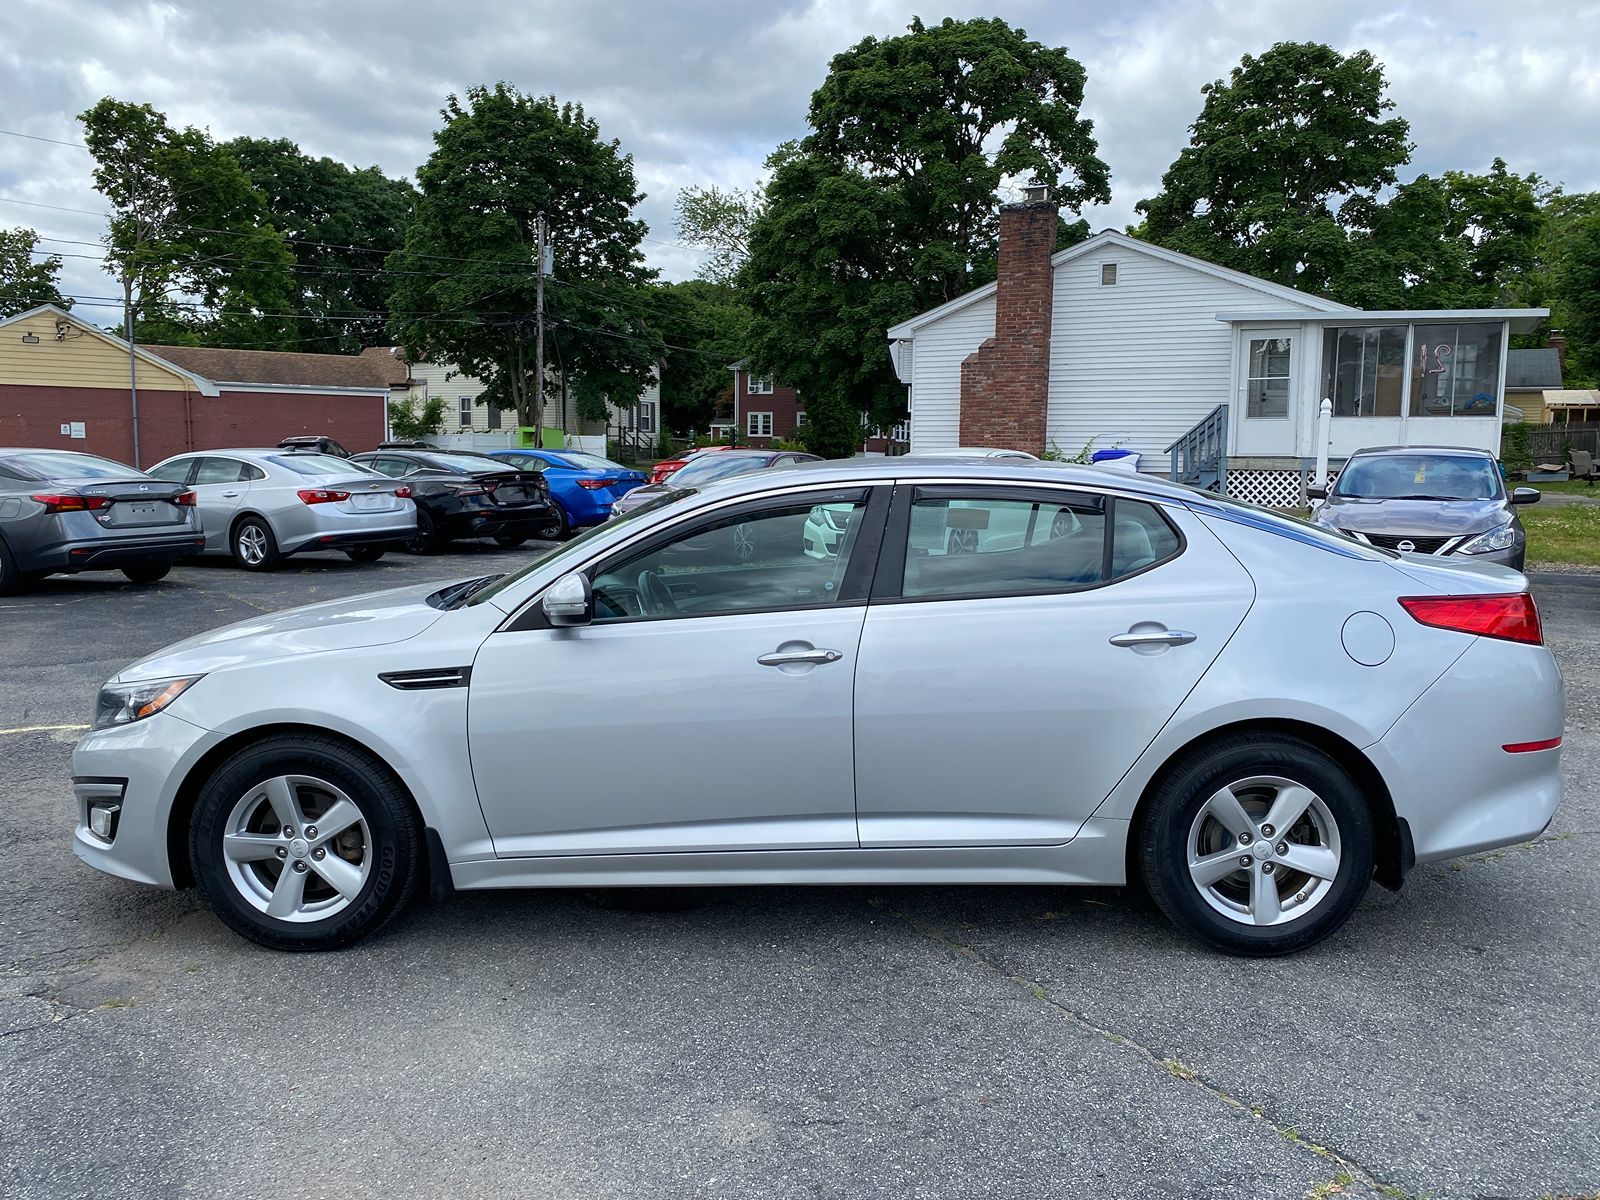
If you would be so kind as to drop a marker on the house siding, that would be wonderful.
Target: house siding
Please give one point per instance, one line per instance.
(782, 402)
(940, 349)
(83, 359)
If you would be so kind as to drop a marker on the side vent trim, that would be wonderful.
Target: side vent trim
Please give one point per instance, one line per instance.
(427, 679)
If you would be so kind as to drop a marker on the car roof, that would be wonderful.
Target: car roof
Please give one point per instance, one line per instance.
(957, 469)
(1459, 451)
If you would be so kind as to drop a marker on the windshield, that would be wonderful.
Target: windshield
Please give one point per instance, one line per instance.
(319, 464)
(714, 466)
(569, 549)
(63, 463)
(1419, 477)
(591, 462)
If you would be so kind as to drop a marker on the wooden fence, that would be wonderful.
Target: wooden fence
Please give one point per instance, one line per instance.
(1550, 443)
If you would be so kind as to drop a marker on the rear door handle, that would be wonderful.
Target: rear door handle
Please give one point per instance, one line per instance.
(231, 495)
(1153, 637)
(784, 658)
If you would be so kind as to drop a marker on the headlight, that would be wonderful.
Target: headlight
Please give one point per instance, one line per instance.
(121, 703)
(1501, 538)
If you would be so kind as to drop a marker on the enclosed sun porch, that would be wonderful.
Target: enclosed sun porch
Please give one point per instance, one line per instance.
(1398, 378)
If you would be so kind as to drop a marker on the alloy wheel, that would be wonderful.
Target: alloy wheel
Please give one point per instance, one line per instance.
(297, 848)
(744, 541)
(253, 544)
(1264, 850)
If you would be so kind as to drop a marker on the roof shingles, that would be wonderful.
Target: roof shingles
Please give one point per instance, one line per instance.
(287, 368)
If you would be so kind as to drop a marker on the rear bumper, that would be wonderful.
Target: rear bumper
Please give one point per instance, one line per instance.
(111, 553)
(339, 540)
(1443, 760)
(525, 521)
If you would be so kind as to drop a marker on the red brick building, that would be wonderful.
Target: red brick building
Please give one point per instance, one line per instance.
(765, 410)
(64, 384)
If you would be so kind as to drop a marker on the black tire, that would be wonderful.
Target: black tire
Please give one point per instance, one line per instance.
(509, 540)
(147, 572)
(12, 580)
(560, 527)
(1173, 814)
(390, 843)
(365, 554)
(254, 546)
(427, 539)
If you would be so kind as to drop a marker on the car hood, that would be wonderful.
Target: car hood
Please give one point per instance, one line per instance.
(1440, 518)
(374, 620)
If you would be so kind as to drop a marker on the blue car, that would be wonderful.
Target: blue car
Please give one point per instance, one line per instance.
(583, 486)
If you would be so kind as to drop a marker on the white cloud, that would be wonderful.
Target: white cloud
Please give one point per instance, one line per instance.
(700, 90)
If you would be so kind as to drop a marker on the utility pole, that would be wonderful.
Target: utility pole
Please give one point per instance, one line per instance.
(538, 336)
(133, 365)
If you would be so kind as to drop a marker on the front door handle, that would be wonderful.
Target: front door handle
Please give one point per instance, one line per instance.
(1133, 639)
(786, 658)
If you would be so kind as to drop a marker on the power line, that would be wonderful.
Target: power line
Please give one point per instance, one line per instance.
(34, 137)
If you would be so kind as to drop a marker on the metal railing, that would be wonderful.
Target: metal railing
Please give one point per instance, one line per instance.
(1200, 457)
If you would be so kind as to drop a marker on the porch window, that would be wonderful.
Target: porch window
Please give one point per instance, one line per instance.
(1455, 370)
(1267, 387)
(1363, 370)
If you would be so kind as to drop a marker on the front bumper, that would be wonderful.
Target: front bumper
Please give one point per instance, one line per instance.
(138, 767)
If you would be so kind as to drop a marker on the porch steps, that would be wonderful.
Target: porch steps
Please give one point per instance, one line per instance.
(1200, 456)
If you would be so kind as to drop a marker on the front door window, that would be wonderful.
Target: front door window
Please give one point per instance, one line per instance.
(1267, 381)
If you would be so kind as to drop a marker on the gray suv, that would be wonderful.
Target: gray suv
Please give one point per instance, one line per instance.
(62, 512)
(1427, 500)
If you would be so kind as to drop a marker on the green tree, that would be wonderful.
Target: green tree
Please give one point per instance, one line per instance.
(704, 327)
(719, 221)
(27, 281)
(500, 161)
(408, 422)
(186, 223)
(342, 223)
(1276, 157)
(1575, 287)
(889, 205)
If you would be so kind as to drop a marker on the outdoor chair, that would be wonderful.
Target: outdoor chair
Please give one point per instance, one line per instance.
(1580, 465)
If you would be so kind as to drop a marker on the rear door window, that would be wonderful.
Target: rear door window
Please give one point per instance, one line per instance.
(220, 470)
(176, 471)
(989, 544)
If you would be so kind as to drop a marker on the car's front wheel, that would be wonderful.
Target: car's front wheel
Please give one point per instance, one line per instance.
(304, 842)
(1260, 844)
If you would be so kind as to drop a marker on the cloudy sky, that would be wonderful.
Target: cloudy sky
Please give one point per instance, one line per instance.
(700, 90)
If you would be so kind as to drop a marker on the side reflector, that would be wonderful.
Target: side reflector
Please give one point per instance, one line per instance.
(1530, 747)
(1512, 618)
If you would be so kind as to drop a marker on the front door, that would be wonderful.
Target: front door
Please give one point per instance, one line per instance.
(1023, 655)
(1264, 410)
(707, 707)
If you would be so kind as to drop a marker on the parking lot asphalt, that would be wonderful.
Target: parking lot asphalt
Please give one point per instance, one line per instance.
(910, 1042)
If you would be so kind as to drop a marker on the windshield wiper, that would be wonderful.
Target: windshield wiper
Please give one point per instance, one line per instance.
(457, 596)
(1421, 497)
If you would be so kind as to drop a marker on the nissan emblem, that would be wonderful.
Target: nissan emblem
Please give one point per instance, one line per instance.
(1406, 547)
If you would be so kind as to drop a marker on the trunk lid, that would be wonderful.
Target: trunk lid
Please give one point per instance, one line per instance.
(367, 493)
(134, 503)
(512, 489)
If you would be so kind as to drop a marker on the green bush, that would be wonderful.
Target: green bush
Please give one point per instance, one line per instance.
(408, 424)
(1514, 452)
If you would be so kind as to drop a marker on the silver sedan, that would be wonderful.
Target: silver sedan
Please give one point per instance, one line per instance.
(997, 673)
(261, 506)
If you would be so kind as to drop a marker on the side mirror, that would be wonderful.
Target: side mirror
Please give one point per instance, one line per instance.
(569, 601)
(1315, 492)
(1525, 495)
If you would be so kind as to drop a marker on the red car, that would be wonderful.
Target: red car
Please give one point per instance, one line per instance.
(661, 470)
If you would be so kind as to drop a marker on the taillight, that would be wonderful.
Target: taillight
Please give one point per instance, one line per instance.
(322, 495)
(1513, 617)
(402, 492)
(466, 490)
(186, 499)
(55, 502)
(594, 485)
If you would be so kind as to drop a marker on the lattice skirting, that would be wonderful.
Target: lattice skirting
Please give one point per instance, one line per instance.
(1273, 488)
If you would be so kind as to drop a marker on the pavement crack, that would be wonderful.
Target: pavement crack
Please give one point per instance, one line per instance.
(1180, 1071)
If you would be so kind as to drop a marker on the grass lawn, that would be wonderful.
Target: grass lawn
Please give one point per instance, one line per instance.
(1568, 534)
(1570, 487)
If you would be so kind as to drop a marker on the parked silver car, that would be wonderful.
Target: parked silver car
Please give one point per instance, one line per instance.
(1002, 673)
(263, 505)
(62, 512)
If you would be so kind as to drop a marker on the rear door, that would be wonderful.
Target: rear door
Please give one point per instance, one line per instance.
(220, 487)
(1023, 647)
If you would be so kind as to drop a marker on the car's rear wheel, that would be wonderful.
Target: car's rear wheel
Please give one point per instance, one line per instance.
(365, 554)
(560, 527)
(147, 572)
(1260, 844)
(427, 539)
(254, 546)
(303, 842)
(12, 580)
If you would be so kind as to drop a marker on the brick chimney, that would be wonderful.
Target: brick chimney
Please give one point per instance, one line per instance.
(1005, 383)
(1557, 341)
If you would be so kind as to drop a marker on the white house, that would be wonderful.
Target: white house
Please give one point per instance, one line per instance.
(1211, 375)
